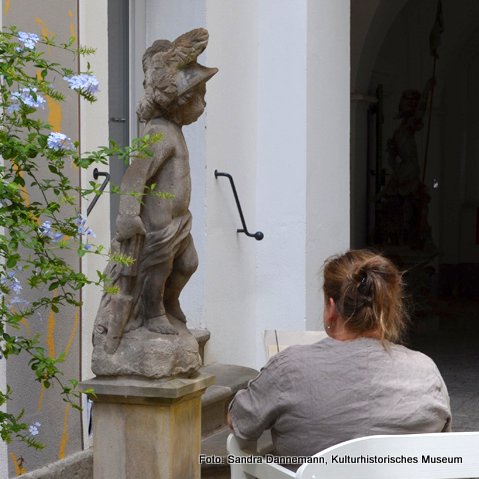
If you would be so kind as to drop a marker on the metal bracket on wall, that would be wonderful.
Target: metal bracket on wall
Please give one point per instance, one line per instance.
(258, 235)
(96, 175)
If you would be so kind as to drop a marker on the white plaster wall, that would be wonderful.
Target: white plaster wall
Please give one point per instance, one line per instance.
(231, 146)
(94, 133)
(167, 20)
(328, 173)
(277, 116)
(296, 85)
(281, 167)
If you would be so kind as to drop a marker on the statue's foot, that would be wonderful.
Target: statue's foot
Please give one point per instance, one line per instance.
(111, 344)
(174, 309)
(160, 324)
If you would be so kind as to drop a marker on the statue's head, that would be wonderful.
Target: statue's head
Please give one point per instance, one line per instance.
(173, 77)
(408, 103)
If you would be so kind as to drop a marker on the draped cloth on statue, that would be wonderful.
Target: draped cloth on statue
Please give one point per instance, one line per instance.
(156, 248)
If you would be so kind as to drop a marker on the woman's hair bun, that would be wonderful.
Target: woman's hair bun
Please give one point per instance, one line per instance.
(368, 291)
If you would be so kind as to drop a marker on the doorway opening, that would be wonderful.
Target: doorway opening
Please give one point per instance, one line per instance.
(415, 174)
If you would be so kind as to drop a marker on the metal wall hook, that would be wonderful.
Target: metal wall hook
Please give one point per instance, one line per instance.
(96, 175)
(258, 235)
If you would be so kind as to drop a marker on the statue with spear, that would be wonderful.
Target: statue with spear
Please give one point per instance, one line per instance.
(405, 197)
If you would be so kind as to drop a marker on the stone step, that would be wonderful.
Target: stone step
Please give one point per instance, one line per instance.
(214, 446)
(202, 336)
(230, 378)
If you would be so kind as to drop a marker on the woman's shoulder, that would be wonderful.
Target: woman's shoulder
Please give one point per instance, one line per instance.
(366, 347)
(299, 354)
(408, 352)
(413, 358)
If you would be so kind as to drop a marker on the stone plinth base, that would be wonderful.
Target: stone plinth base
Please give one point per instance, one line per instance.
(148, 354)
(147, 429)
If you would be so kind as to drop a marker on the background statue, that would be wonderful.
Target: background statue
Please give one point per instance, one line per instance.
(403, 203)
(155, 231)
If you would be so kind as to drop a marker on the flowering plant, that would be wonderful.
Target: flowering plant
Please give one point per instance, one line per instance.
(36, 235)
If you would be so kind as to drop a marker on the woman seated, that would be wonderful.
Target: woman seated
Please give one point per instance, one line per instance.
(356, 382)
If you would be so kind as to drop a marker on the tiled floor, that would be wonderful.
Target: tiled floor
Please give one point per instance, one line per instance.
(451, 338)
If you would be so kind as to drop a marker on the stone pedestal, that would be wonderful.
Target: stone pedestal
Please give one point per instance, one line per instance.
(147, 429)
(143, 353)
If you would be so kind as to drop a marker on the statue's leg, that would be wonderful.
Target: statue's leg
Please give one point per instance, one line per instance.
(154, 289)
(184, 265)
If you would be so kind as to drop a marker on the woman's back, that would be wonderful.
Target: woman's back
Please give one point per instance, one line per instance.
(333, 391)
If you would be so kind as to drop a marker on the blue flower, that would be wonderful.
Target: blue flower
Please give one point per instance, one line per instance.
(84, 82)
(81, 222)
(15, 286)
(33, 429)
(59, 141)
(11, 282)
(46, 230)
(29, 40)
(27, 96)
(16, 300)
(84, 230)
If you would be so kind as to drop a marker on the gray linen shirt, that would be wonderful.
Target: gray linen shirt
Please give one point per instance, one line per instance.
(315, 396)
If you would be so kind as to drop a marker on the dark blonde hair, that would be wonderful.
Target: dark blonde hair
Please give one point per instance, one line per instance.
(368, 291)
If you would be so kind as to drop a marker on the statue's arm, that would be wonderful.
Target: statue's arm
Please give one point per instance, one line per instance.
(135, 179)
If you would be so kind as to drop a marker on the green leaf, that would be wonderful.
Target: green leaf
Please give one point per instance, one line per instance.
(12, 261)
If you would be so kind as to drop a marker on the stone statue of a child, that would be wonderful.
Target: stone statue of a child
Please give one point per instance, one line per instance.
(152, 230)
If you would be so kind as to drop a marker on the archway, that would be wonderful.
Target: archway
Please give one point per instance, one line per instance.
(390, 47)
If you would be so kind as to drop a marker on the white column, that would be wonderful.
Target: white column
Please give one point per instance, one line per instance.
(231, 146)
(328, 123)
(278, 120)
(93, 133)
(281, 167)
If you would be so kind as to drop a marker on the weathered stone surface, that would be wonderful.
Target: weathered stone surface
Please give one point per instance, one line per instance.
(148, 429)
(128, 389)
(152, 355)
(140, 329)
(76, 466)
(202, 336)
